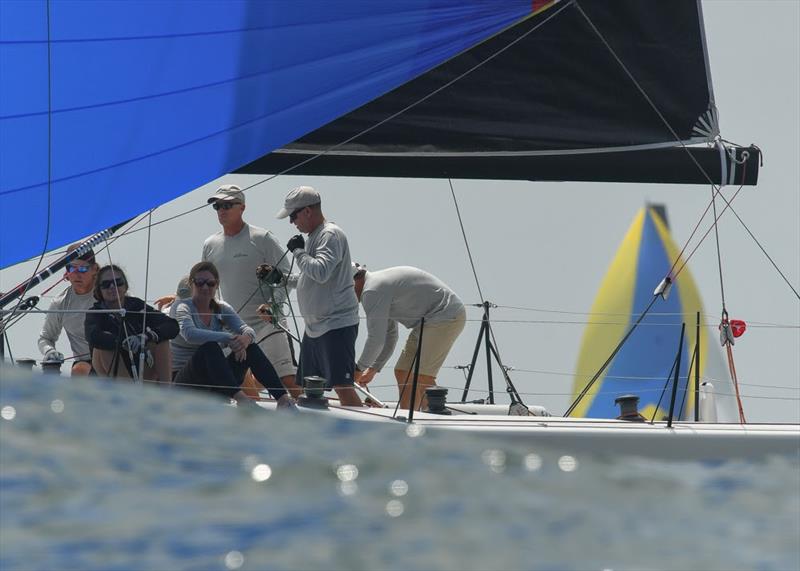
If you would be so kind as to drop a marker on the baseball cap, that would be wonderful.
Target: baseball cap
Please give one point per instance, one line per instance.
(86, 256)
(299, 197)
(228, 192)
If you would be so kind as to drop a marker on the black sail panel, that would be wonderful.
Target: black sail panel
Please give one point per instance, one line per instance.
(574, 93)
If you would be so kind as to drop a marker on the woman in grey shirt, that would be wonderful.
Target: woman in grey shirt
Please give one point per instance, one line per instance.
(208, 330)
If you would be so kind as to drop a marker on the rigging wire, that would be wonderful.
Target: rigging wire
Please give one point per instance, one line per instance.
(408, 107)
(610, 357)
(124, 328)
(677, 139)
(15, 317)
(3, 327)
(719, 250)
(143, 348)
(466, 242)
(774, 265)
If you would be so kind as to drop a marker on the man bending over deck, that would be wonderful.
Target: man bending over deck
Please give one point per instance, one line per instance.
(405, 295)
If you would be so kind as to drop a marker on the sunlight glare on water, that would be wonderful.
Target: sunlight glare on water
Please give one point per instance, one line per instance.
(119, 476)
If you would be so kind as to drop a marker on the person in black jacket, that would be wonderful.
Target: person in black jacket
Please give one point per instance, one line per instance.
(133, 344)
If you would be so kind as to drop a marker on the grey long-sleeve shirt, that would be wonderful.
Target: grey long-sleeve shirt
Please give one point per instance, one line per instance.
(405, 295)
(193, 332)
(72, 323)
(325, 288)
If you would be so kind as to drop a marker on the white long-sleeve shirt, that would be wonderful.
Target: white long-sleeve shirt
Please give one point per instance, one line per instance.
(405, 295)
(325, 291)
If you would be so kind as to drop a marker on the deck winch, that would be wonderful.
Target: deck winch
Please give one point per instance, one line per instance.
(629, 408)
(437, 400)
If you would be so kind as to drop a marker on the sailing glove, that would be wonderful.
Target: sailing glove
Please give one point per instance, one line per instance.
(53, 356)
(152, 336)
(295, 242)
(269, 274)
(136, 343)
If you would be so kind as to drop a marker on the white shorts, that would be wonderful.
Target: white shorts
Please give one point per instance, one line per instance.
(277, 349)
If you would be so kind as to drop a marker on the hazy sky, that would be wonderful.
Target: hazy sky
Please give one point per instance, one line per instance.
(545, 247)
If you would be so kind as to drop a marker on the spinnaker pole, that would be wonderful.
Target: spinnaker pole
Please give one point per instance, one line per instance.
(85, 246)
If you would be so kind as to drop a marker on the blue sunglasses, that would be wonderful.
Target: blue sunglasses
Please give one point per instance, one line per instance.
(80, 269)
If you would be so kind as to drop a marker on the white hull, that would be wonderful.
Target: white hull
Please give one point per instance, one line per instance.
(575, 436)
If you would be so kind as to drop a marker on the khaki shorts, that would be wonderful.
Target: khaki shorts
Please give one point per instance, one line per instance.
(437, 340)
(277, 349)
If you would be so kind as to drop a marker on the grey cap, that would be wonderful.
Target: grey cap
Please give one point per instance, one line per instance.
(298, 198)
(228, 192)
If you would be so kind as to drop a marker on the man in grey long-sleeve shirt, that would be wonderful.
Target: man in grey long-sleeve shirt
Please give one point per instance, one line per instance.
(68, 314)
(324, 293)
(405, 295)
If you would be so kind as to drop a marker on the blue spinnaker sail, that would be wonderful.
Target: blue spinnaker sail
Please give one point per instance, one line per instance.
(108, 109)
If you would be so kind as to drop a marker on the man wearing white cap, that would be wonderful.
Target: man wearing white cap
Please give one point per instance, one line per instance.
(325, 294)
(237, 251)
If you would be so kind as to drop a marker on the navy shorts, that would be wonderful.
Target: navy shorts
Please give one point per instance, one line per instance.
(331, 356)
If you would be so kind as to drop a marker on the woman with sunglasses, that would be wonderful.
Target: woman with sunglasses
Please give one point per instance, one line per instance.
(215, 347)
(130, 344)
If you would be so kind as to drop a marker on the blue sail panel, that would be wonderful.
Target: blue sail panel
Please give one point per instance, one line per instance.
(642, 366)
(122, 106)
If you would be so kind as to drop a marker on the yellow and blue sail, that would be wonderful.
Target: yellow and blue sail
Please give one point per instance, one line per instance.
(644, 363)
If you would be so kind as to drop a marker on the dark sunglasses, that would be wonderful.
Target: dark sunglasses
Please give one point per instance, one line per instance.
(224, 205)
(80, 269)
(293, 215)
(105, 284)
(199, 282)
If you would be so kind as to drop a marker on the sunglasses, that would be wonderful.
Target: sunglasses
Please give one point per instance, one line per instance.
(80, 269)
(224, 205)
(199, 282)
(293, 215)
(106, 284)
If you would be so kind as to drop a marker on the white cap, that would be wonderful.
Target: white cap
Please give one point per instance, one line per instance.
(297, 198)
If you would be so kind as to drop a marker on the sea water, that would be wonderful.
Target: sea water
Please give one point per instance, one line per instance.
(109, 475)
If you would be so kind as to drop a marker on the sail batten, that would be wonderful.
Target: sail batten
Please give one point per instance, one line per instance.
(591, 79)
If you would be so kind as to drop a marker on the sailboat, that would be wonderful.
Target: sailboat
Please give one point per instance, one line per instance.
(130, 105)
(643, 366)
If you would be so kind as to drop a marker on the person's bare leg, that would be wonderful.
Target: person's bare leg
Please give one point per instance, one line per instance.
(250, 385)
(425, 381)
(348, 396)
(290, 384)
(162, 355)
(81, 369)
(405, 381)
